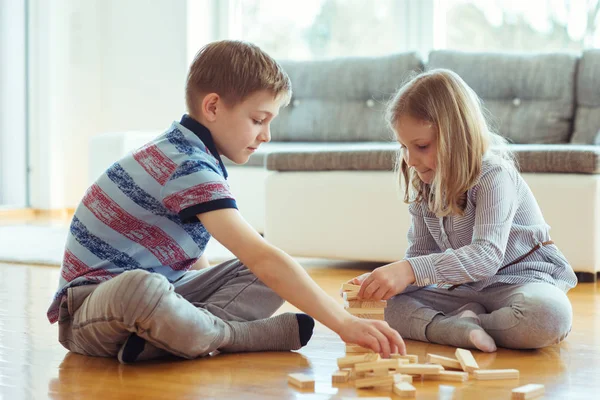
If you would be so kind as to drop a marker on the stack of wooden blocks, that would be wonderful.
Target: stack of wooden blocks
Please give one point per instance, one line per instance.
(362, 309)
(369, 371)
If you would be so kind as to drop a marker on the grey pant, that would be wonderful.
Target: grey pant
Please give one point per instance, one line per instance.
(527, 316)
(184, 318)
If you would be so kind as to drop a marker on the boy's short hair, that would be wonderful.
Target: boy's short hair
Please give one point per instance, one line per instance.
(234, 70)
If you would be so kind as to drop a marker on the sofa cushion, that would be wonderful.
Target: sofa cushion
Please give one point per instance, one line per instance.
(556, 158)
(530, 96)
(307, 156)
(341, 100)
(363, 156)
(587, 116)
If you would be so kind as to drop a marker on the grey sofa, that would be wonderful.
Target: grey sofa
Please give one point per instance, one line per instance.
(329, 190)
(325, 187)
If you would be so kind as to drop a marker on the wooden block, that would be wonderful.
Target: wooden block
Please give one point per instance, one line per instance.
(420, 369)
(377, 317)
(367, 398)
(466, 360)
(350, 371)
(378, 372)
(354, 348)
(372, 311)
(405, 390)
(380, 364)
(302, 381)
(413, 359)
(349, 296)
(530, 391)
(398, 378)
(349, 287)
(341, 376)
(352, 374)
(449, 376)
(350, 361)
(445, 362)
(375, 381)
(365, 304)
(493, 374)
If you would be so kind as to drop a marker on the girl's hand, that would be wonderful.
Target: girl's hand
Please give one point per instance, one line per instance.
(385, 282)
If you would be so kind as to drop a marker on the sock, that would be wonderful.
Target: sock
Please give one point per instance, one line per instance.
(137, 349)
(280, 333)
(460, 330)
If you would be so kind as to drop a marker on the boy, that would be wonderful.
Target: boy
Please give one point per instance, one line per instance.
(127, 288)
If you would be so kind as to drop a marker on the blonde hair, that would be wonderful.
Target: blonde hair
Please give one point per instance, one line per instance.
(234, 70)
(442, 98)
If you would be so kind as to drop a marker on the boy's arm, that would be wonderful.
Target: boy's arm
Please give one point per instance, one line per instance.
(289, 280)
(201, 263)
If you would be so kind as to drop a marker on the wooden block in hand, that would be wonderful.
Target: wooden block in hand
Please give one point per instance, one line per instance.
(466, 360)
(302, 381)
(445, 362)
(350, 296)
(494, 374)
(349, 287)
(405, 390)
(341, 376)
(530, 391)
(365, 304)
(368, 313)
(358, 311)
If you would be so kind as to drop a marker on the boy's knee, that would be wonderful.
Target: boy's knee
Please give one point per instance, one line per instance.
(139, 294)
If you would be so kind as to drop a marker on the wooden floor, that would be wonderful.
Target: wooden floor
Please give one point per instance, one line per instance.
(34, 365)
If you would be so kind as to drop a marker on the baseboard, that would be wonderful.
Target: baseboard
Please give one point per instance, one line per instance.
(587, 277)
(33, 213)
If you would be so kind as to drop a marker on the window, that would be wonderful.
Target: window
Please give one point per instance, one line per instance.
(519, 25)
(13, 109)
(314, 29)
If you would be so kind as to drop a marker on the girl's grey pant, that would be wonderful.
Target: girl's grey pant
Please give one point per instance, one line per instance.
(184, 318)
(527, 316)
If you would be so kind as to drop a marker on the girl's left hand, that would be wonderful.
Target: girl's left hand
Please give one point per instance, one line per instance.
(387, 281)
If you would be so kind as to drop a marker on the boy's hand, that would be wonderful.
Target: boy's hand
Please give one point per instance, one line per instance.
(375, 335)
(385, 282)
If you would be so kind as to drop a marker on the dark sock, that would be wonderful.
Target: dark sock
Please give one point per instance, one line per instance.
(305, 325)
(131, 349)
(280, 333)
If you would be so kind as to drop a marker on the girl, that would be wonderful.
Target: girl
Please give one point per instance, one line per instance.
(480, 270)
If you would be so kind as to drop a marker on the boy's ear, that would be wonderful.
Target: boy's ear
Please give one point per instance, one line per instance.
(210, 103)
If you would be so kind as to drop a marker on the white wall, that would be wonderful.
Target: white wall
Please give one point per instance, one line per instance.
(12, 103)
(98, 66)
